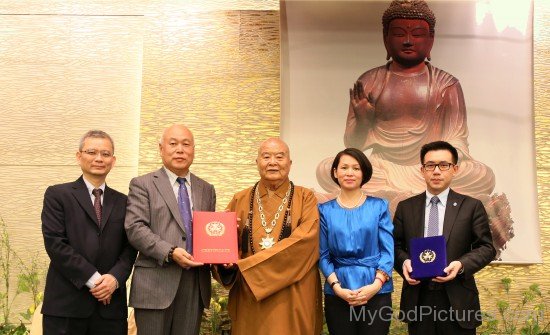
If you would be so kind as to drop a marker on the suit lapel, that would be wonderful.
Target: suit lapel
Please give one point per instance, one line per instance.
(454, 201)
(80, 192)
(162, 183)
(419, 214)
(108, 203)
(196, 190)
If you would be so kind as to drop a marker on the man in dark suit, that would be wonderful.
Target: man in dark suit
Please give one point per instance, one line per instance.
(169, 289)
(449, 304)
(90, 257)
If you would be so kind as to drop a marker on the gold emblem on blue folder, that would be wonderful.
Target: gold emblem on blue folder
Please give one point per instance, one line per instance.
(427, 256)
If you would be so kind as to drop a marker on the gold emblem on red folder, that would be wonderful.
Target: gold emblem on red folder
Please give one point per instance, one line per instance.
(215, 228)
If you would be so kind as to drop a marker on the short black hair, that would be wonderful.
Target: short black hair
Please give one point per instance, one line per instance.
(438, 145)
(360, 157)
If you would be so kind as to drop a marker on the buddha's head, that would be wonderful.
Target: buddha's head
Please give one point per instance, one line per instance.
(409, 29)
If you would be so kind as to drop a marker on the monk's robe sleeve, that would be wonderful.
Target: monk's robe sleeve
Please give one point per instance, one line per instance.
(286, 263)
(224, 276)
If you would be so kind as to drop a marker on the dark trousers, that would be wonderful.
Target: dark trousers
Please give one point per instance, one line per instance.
(372, 318)
(439, 320)
(93, 325)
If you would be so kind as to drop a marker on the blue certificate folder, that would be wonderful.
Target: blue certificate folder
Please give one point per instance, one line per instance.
(428, 257)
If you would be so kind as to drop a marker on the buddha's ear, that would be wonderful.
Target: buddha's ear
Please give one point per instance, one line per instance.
(388, 56)
(431, 44)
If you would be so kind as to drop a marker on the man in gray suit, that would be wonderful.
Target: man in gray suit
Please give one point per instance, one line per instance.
(169, 289)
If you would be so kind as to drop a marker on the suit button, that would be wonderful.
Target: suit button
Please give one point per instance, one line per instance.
(183, 238)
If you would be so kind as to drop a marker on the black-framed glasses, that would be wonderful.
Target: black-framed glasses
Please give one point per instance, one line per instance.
(443, 166)
(93, 153)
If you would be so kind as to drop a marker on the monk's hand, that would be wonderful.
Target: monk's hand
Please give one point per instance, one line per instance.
(344, 293)
(451, 270)
(229, 266)
(407, 269)
(104, 288)
(363, 104)
(184, 259)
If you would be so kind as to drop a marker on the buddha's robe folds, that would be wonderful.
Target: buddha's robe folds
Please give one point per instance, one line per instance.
(410, 111)
(277, 290)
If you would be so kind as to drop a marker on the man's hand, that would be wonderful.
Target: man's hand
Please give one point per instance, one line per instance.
(104, 288)
(407, 269)
(451, 270)
(184, 259)
(363, 105)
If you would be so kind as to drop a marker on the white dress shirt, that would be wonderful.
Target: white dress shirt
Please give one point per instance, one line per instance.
(91, 282)
(173, 178)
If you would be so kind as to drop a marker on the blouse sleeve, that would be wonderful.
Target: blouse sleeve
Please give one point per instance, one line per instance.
(385, 239)
(325, 264)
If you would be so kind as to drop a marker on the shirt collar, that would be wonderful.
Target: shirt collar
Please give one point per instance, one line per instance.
(91, 187)
(280, 192)
(442, 197)
(172, 177)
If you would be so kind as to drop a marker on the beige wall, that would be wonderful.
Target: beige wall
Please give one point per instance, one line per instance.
(130, 70)
(68, 67)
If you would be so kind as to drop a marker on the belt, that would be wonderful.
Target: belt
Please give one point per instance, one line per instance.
(432, 286)
(371, 261)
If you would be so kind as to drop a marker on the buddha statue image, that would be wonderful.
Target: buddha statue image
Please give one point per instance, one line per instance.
(398, 107)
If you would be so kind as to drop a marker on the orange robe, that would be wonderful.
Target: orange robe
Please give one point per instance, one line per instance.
(278, 290)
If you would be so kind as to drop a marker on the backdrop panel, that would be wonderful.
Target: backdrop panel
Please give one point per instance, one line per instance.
(326, 45)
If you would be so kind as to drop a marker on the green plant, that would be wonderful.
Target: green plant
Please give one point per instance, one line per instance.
(529, 316)
(215, 320)
(28, 281)
(7, 329)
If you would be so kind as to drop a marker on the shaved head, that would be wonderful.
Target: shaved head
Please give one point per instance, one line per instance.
(273, 141)
(273, 162)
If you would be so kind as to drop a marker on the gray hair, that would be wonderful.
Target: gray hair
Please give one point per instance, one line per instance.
(95, 134)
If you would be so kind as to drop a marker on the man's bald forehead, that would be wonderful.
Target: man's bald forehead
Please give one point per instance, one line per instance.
(174, 127)
(273, 141)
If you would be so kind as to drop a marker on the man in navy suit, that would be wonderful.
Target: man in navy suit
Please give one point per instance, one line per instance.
(449, 304)
(90, 257)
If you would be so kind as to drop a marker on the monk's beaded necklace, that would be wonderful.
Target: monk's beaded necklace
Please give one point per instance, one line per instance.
(267, 242)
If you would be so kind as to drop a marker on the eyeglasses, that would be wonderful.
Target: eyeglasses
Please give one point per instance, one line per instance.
(93, 153)
(443, 166)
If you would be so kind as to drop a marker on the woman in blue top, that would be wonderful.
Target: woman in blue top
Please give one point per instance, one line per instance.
(356, 246)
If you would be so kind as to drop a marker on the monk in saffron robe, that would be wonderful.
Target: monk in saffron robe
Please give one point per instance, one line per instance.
(275, 286)
(397, 108)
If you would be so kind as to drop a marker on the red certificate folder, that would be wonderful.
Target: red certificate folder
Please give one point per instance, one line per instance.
(215, 237)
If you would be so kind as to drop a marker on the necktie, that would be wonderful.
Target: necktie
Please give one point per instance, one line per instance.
(97, 204)
(433, 219)
(185, 211)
